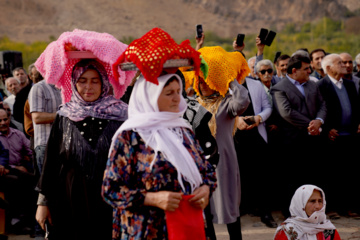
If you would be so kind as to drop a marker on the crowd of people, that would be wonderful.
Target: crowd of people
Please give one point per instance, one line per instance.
(217, 137)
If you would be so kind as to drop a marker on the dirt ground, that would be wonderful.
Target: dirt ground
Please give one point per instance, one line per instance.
(254, 229)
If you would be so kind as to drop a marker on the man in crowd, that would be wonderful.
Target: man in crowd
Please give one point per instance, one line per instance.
(13, 87)
(341, 130)
(19, 175)
(44, 100)
(281, 67)
(349, 67)
(304, 112)
(22, 95)
(301, 112)
(20, 74)
(251, 63)
(316, 56)
(357, 60)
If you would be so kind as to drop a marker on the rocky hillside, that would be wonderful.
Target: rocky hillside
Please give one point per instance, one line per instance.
(32, 20)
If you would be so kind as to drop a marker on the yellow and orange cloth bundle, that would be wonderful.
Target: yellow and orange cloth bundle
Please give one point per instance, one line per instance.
(189, 78)
(224, 67)
(150, 52)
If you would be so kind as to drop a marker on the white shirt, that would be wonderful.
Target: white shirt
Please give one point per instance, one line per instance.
(337, 83)
(10, 100)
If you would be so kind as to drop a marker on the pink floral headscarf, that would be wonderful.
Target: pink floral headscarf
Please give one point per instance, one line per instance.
(105, 107)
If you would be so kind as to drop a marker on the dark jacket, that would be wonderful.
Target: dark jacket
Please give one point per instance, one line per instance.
(333, 120)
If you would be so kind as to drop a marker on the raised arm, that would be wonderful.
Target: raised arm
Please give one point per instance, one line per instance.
(239, 100)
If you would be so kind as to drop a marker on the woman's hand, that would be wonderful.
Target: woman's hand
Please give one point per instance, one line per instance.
(43, 214)
(165, 200)
(201, 197)
(242, 125)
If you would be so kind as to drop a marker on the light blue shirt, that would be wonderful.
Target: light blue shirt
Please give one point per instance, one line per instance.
(299, 86)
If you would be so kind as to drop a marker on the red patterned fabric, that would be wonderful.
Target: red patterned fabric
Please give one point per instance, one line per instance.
(150, 52)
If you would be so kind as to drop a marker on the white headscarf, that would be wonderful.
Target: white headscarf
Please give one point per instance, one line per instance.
(306, 227)
(154, 127)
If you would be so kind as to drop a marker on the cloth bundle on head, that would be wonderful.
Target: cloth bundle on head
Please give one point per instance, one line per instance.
(56, 67)
(154, 127)
(150, 52)
(105, 107)
(306, 226)
(190, 75)
(224, 67)
(189, 78)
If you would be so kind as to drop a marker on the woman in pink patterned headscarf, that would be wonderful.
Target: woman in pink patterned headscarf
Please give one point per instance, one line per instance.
(105, 106)
(75, 159)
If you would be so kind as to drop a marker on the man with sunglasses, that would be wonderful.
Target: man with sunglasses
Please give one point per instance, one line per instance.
(265, 70)
(302, 111)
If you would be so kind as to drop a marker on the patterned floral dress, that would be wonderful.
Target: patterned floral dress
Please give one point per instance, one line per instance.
(128, 178)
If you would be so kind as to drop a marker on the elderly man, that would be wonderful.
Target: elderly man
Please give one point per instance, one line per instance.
(13, 87)
(349, 66)
(341, 130)
(251, 63)
(316, 56)
(265, 70)
(357, 60)
(252, 136)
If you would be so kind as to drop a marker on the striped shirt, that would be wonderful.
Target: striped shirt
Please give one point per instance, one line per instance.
(43, 97)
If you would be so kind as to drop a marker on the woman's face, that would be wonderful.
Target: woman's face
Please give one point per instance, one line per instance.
(169, 98)
(204, 88)
(315, 203)
(89, 85)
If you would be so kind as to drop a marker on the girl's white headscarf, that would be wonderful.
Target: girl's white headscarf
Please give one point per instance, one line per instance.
(306, 227)
(154, 127)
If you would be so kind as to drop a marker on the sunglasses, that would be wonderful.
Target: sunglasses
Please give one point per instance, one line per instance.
(267, 70)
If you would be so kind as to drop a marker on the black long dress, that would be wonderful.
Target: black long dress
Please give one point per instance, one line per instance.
(71, 180)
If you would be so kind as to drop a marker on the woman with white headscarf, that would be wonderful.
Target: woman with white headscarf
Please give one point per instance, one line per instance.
(154, 160)
(308, 219)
